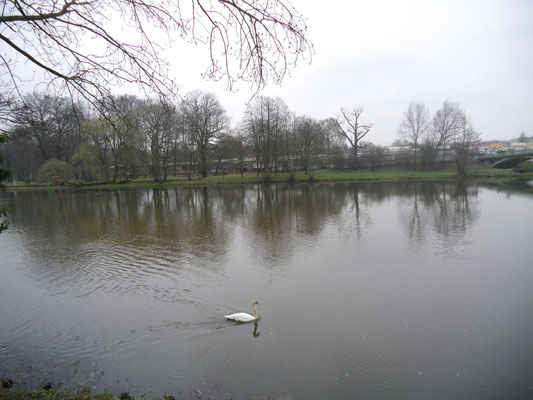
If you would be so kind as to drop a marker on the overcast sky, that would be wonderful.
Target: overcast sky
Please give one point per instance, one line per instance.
(383, 54)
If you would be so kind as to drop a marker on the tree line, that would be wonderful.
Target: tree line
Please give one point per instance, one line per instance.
(56, 139)
(128, 136)
(449, 129)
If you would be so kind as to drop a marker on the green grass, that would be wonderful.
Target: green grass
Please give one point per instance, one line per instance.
(526, 166)
(52, 394)
(105, 395)
(83, 394)
(42, 394)
(385, 175)
(382, 175)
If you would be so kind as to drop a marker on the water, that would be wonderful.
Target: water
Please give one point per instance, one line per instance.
(406, 291)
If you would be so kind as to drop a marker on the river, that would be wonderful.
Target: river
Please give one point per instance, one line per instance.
(374, 290)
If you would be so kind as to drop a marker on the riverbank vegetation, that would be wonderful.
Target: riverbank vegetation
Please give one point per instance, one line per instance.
(478, 172)
(128, 140)
(52, 394)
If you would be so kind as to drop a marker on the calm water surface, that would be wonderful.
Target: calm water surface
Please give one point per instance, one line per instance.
(405, 291)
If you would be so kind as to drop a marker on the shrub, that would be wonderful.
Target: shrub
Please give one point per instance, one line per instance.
(86, 164)
(55, 172)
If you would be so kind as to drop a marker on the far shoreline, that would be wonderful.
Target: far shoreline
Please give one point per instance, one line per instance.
(477, 173)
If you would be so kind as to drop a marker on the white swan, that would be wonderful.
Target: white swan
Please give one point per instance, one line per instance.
(244, 317)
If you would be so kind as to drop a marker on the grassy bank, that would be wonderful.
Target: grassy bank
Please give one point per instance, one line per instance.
(85, 394)
(385, 175)
(52, 395)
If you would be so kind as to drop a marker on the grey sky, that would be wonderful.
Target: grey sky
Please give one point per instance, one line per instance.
(382, 54)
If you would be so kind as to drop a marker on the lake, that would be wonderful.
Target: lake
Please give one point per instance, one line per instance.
(374, 290)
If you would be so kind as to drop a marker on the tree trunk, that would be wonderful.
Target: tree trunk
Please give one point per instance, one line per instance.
(203, 162)
(355, 156)
(218, 165)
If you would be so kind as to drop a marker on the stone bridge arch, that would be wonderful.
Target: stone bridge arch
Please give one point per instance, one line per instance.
(510, 162)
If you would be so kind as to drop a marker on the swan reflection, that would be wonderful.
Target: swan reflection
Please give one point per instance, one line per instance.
(256, 333)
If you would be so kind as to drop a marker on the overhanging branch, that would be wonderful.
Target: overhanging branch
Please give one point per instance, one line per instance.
(38, 17)
(35, 61)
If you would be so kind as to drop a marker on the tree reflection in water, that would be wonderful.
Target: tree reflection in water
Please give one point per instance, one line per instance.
(356, 276)
(77, 235)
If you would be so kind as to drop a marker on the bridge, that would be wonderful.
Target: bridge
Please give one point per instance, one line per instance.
(506, 159)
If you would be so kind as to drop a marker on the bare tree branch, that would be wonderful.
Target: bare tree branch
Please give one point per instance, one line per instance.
(255, 41)
(414, 125)
(33, 60)
(351, 129)
(37, 17)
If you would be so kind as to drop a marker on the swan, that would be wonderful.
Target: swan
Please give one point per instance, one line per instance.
(244, 317)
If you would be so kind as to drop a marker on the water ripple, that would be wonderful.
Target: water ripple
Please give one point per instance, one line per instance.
(123, 267)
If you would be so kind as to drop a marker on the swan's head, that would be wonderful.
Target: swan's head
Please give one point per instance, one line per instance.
(255, 302)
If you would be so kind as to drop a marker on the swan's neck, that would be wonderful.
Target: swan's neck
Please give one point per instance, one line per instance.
(255, 311)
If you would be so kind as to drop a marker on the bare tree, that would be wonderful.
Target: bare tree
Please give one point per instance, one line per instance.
(221, 150)
(333, 144)
(240, 149)
(446, 126)
(463, 143)
(374, 156)
(187, 144)
(255, 41)
(7, 104)
(351, 128)
(53, 122)
(414, 126)
(116, 136)
(157, 128)
(205, 119)
(22, 155)
(310, 139)
(266, 120)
